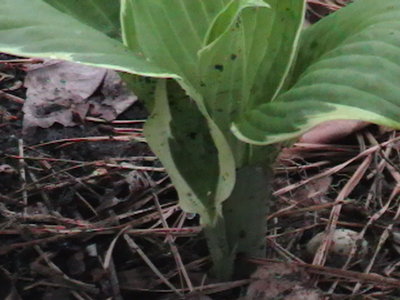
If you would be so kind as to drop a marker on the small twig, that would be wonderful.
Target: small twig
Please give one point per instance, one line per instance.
(174, 249)
(125, 138)
(56, 270)
(162, 232)
(42, 192)
(136, 249)
(22, 173)
(337, 168)
(375, 279)
(205, 289)
(21, 61)
(327, 5)
(282, 251)
(12, 247)
(382, 238)
(107, 258)
(12, 97)
(319, 207)
(322, 252)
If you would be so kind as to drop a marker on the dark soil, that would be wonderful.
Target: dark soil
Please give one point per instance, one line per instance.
(59, 219)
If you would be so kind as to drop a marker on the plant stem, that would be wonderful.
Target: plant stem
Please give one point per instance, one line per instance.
(242, 229)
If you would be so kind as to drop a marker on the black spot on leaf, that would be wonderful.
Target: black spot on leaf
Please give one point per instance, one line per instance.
(192, 135)
(314, 45)
(219, 68)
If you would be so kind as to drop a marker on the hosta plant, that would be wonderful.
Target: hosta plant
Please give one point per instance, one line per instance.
(225, 82)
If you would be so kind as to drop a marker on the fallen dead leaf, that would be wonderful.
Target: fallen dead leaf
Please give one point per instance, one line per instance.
(65, 93)
(332, 131)
(280, 281)
(314, 192)
(116, 98)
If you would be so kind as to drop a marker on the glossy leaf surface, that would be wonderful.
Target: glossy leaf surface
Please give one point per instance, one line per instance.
(35, 28)
(348, 68)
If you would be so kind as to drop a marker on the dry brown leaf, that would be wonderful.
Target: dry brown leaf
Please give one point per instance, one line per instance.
(332, 131)
(313, 192)
(280, 281)
(65, 93)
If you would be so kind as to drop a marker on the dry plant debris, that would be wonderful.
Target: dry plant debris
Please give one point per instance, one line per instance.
(363, 196)
(64, 93)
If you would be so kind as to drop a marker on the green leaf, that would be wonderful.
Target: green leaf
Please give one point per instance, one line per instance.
(348, 68)
(102, 15)
(34, 28)
(247, 64)
(224, 52)
(129, 35)
(228, 56)
(170, 33)
(231, 55)
(214, 44)
(202, 174)
(228, 16)
(252, 58)
(203, 178)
